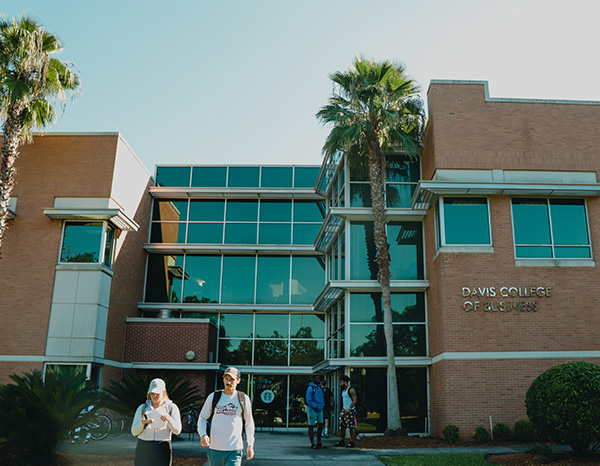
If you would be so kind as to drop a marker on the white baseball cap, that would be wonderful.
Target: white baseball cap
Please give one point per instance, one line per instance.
(157, 386)
(233, 371)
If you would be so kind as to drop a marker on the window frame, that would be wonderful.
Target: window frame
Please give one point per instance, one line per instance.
(441, 223)
(552, 245)
(102, 249)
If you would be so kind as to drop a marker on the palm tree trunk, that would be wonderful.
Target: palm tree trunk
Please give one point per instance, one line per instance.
(377, 181)
(12, 130)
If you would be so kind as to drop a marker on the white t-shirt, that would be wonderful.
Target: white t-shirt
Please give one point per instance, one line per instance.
(226, 426)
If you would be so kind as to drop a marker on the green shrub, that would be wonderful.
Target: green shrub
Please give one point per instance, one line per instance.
(524, 430)
(451, 434)
(37, 413)
(481, 435)
(501, 432)
(564, 405)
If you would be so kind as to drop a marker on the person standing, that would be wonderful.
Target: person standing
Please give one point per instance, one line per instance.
(315, 403)
(328, 397)
(225, 416)
(348, 412)
(153, 423)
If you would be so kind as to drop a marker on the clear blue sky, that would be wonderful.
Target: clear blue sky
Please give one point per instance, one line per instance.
(239, 81)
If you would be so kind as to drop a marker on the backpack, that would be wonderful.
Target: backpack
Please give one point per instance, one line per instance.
(313, 394)
(216, 397)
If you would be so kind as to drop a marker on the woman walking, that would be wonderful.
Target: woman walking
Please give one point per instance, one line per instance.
(153, 423)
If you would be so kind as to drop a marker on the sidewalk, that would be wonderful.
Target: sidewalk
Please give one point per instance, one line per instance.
(279, 448)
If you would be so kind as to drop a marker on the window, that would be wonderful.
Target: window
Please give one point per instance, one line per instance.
(366, 330)
(236, 221)
(464, 221)
(551, 229)
(271, 339)
(88, 242)
(406, 251)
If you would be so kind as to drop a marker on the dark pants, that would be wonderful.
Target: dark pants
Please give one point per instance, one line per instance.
(152, 453)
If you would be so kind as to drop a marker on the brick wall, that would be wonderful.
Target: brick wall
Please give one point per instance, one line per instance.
(467, 132)
(169, 341)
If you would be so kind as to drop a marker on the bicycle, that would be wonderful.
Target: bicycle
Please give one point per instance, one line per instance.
(97, 428)
(189, 422)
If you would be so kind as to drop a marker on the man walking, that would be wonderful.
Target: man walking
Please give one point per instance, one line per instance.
(348, 412)
(315, 402)
(225, 415)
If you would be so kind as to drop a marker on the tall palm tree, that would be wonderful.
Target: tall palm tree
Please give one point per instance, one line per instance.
(31, 81)
(374, 110)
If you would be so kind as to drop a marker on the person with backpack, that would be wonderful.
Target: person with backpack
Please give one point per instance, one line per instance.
(224, 418)
(153, 423)
(348, 412)
(315, 402)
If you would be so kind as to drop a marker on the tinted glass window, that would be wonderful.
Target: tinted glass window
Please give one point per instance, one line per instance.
(569, 224)
(163, 284)
(360, 195)
(173, 176)
(273, 280)
(306, 233)
(271, 352)
(167, 232)
(272, 325)
(243, 177)
(275, 233)
(402, 169)
(202, 279)
(554, 228)
(275, 211)
(207, 233)
(209, 177)
(240, 233)
(399, 195)
(235, 351)
(306, 352)
(306, 211)
(466, 221)
(276, 177)
(307, 326)
(308, 279)
(305, 177)
(531, 222)
(170, 211)
(237, 325)
(406, 250)
(363, 251)
(238, 279)
(242, 211)
(207, 210)
(82, 242)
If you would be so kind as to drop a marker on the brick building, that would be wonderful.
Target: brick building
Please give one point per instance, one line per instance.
(492, 237)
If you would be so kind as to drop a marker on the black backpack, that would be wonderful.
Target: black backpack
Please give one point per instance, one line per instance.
(216, 397)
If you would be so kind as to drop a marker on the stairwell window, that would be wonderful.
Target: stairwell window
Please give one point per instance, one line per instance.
(90, 242)
(551, 229)
(464, 221)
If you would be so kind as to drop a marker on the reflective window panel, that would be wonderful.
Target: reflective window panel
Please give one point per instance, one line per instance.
(173, 176)
(82, 242)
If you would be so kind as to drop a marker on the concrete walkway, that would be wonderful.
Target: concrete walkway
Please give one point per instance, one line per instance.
(277, 448)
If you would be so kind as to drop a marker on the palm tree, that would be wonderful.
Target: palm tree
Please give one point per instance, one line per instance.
(374, 110)
(30, 82)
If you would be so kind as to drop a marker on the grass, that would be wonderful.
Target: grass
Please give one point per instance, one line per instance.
(449, 459)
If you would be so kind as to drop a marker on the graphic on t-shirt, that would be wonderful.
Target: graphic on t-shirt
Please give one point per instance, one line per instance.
(228, 410)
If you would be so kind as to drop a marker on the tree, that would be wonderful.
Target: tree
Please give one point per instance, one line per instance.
(31, 81)
(374, 112)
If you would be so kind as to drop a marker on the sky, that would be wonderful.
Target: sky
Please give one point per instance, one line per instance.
(240, 81)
